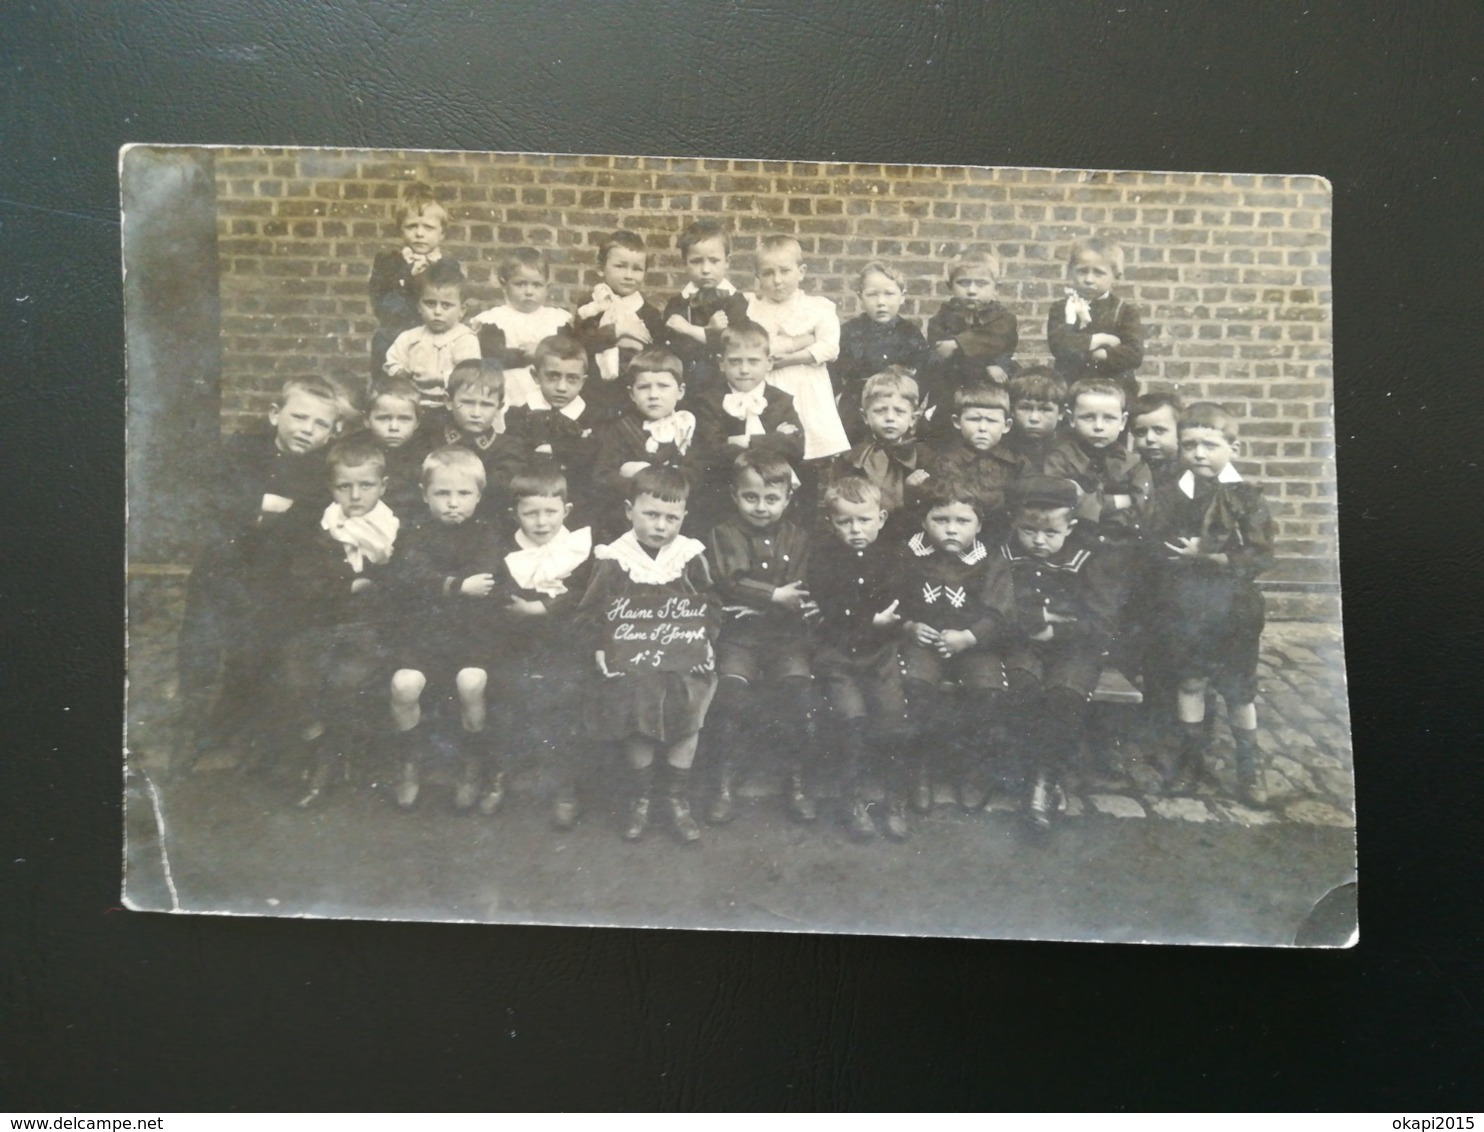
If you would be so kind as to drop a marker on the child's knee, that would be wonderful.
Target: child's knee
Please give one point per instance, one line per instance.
(1192, 685)
(408, 685)
(471, 683)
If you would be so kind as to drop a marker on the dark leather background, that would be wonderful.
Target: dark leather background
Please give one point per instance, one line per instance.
(108, 1010)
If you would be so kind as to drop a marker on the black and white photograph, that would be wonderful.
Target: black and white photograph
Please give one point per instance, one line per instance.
(714, 543)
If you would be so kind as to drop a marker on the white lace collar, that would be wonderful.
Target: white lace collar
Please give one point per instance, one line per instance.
(920, 546)
(663, 568)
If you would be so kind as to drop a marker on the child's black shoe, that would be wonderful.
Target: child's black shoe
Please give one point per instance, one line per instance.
(896, 820)
(800, 805)
(494, 794)
(564, 813)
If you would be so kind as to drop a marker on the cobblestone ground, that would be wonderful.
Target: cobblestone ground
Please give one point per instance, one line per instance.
(1303, 729)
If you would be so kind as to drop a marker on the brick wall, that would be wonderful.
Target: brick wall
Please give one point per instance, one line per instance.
(1231, 272)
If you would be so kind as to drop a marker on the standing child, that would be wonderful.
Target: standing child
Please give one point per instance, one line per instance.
(272, 481)
(475, 419)
(954, 609)
(1096, 334)
(656, 434)
(708, 303)
(334, 659)
(852, 576)
(977, 456)
(1037, 404)
(874, 340)
(511, 331)
(1063, 610)
(617, 322)
(450, 608)
(972, 335)
(761, 557)
(652, 621)
(891, 459)
(542, 667)
(428, 353)
(395, 274)
(804, 333)
(1213, 536)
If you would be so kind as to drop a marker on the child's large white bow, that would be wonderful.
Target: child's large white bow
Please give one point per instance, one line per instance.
(677, 429)
(1079, 310)
(747, 407)
(419, 263)
(367, 538)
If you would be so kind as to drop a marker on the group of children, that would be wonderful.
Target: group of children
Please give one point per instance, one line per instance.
(898, 559)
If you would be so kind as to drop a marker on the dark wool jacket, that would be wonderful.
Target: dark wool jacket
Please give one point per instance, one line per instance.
(610, 397)
(501, 454)
(750, 563)
(851, 587)
(1103, 473)
(714, 424)
(426, 572)
(1229, 518)
(987, 475)
(623, 441)
(573, 443)
(319, 580)
(1071, 583)
(1110, 315)
(867, 347)
(702, 362)
(955, 591)
(1031, 451)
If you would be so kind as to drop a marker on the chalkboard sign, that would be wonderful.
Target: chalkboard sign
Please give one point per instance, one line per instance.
(662, 632)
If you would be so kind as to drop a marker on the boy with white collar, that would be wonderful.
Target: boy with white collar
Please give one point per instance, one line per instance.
(1211, 536)
(1095, 333)
(557, 422)
(547, 575)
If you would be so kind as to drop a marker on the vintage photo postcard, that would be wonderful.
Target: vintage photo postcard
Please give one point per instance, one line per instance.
(734, 544)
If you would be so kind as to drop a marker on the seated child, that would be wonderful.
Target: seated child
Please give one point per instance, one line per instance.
(1037, 402)
(706, 305)
(449, 627)
(556, 421)
(510, 332)
(395, 274)
(272, 481)
(475, 419)
(954, 608)
(874, 340)
(392, 422)
(981, 416)
(1095, 334)
(616, 322)
(333, 660)
(972, 336)
(743, 414)
(851, 577)
(1115, 482)
(891, 458)
(1063, 610)
(655, 434)
(1212, 536)
(760, 557)
(651, 620)
(428, 353)
(1154, 423)
(804, 334)
(541, 669)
